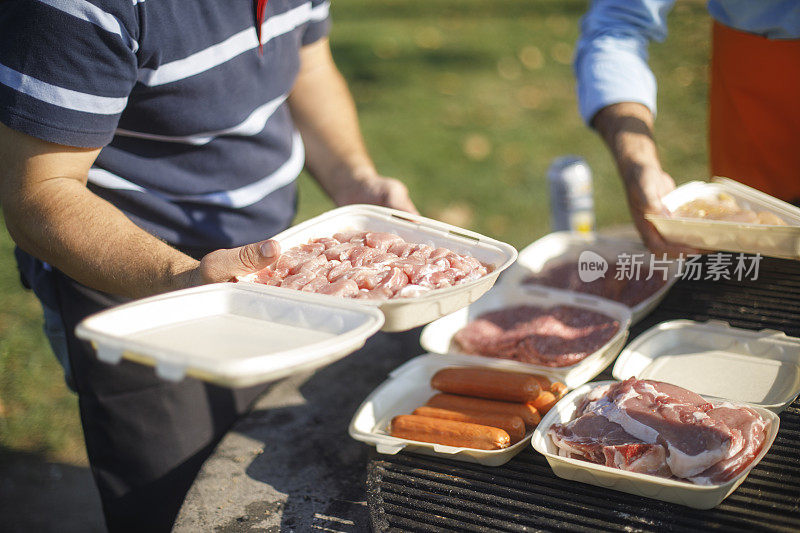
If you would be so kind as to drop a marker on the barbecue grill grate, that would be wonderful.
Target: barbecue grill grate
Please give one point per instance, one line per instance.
(417, 493)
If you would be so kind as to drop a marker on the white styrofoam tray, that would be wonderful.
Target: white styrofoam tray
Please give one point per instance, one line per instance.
(566, 246)
(760, 368)
(669, 490)
(406, 313)
(437, 337)
(407, 388)
(231, 334)
(775, 241)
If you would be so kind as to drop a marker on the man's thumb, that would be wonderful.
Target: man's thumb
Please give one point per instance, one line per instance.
(254, 257)
(223, 265)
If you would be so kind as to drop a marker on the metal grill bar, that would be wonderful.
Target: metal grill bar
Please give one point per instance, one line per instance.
(418, 493)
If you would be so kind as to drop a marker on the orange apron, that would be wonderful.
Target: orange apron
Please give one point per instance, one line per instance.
(754, 121)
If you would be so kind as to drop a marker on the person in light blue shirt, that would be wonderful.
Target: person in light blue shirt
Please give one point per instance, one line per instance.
(754, 122)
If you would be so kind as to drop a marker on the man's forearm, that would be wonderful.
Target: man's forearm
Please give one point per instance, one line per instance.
(62, 222)
(324, 112)
(627, 130)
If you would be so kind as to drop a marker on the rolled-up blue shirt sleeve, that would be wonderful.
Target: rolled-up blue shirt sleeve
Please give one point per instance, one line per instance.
(611, 56)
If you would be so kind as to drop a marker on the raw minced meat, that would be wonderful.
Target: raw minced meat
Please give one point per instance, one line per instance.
(550, 336)
(627, 291)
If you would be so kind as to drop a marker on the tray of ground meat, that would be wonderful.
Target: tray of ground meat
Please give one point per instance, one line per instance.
(573, 336)
(726, 215)
(415, 269)
(634, 277)
(655, 439)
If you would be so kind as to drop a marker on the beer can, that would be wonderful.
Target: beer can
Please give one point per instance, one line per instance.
(571, 203)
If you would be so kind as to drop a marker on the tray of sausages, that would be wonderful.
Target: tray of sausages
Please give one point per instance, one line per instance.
(412, 268)
(447, 406)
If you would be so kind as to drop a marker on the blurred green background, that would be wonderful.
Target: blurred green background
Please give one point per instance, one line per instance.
(468, 102)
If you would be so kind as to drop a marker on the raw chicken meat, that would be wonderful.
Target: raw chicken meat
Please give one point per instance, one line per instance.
(724, 207)
(362, 255)
(382, 241)
(394, 280)
(338, 251)
(656, 428)
(350, 236)
(365, 277)
(315, 285)
(556, 336)
(370, 265)
(401, 249)
(345, 288)
(339, 270)
(297, 281)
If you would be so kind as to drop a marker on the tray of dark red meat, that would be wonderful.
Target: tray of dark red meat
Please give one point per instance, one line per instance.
(574, 336)
(634, 277)
(556, 336)
(415, 269)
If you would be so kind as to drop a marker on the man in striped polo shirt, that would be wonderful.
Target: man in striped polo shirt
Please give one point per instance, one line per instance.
(144, 145)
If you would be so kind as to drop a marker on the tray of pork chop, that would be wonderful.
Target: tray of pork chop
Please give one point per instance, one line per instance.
(412, 268)
(694, 413)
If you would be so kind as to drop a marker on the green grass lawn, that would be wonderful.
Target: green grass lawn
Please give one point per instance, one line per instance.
(468, 102)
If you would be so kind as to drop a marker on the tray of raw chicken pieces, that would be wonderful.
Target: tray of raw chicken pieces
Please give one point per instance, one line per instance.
(726, 215)
(413, 269)
(340, 278)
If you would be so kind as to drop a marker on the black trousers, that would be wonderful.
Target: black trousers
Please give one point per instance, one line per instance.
(146, 438)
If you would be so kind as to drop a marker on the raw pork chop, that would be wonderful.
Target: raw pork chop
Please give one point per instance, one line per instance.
(601, 441)
(653, 412)
(624, 424)
(750, 432)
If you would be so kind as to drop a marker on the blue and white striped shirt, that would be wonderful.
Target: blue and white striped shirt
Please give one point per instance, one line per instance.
(199, 147)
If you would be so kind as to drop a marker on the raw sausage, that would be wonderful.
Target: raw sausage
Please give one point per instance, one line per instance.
(558, 389)
(511, 424)
(449, 432)
(525, 411)
(544, 383)
(544, 402)
(487, 383)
